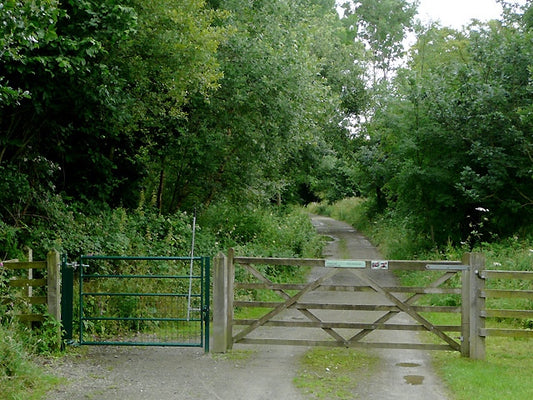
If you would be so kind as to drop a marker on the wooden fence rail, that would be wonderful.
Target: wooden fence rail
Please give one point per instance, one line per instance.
(505, 294)
(47, 287)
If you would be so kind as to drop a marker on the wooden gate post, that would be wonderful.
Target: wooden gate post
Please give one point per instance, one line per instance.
(53, 264)
(54, 284)
(230, 295)
(473, 304)
(220, 304)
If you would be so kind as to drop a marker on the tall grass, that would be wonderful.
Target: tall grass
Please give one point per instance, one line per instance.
(20, 378)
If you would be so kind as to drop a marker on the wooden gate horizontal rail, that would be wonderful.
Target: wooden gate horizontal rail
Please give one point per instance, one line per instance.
(347, 307)
(348, 325)
(329, 343)
(346, 288)
(507, 294)
(501, 313)
(515, 333)
(398, 265)
(496, 274)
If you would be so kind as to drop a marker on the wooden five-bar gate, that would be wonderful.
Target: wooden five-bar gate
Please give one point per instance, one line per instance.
(327, 309)
(346, 321)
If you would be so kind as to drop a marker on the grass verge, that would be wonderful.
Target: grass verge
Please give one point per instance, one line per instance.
(333, 373)
(20, 378)
(505, 374)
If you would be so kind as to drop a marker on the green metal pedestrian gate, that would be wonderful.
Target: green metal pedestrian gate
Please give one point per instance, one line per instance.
(137, 301)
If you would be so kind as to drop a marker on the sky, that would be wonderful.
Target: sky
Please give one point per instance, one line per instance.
(458, 13)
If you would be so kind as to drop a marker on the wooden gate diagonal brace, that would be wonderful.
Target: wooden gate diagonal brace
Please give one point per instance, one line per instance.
(365, 332)
(408, 310)
(304, 311)
(283, 306)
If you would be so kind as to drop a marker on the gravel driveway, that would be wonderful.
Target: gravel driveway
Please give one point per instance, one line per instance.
(247, 373)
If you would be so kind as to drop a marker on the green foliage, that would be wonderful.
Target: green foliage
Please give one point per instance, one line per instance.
(382, 26)
(448, 150)
(259, 231)
(119, 232)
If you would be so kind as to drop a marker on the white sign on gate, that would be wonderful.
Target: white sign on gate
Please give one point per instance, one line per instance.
(381, 264)
(345, 264)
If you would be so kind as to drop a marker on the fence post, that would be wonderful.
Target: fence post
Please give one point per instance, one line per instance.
(67, 298)
(465, 307)
(53, 265)
(474, 306)
(220, 304)
(54, 284)
(29, 288)
(230, 294)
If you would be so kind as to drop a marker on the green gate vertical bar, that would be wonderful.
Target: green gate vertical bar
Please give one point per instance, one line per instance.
(67, 298)
(205, 296)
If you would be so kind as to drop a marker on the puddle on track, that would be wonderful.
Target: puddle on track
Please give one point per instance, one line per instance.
(408, 365)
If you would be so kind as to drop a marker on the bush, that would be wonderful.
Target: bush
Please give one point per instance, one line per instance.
(263, 231)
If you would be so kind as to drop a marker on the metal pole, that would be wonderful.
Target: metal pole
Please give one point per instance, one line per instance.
(191, 266)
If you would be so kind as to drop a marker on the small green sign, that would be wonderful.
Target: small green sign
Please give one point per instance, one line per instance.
(345, 264)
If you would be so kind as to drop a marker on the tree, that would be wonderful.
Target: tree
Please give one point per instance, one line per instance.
(381, 26)
(282, 86)
(88, 85)
(452, 141)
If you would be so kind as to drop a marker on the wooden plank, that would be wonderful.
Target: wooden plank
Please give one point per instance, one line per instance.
(27, 282)
(286, 296)
(501, 313)
(34, 300)
(25, 265)
(515, 333)
(300, 286)
(419, 265)
(53, 286)
(347, 325)
(220, 304)
(410, 300)
(507, 294)
(495, 274)
(409, 310)
(347, 288)
(421, 290)
(348, 307)
(330, 343)
(474, 304)
(293, 262)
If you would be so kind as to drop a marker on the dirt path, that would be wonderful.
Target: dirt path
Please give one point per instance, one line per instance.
(248, 373)
(402, 374)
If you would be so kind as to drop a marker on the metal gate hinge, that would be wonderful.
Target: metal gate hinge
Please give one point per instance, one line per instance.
(72, 265)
